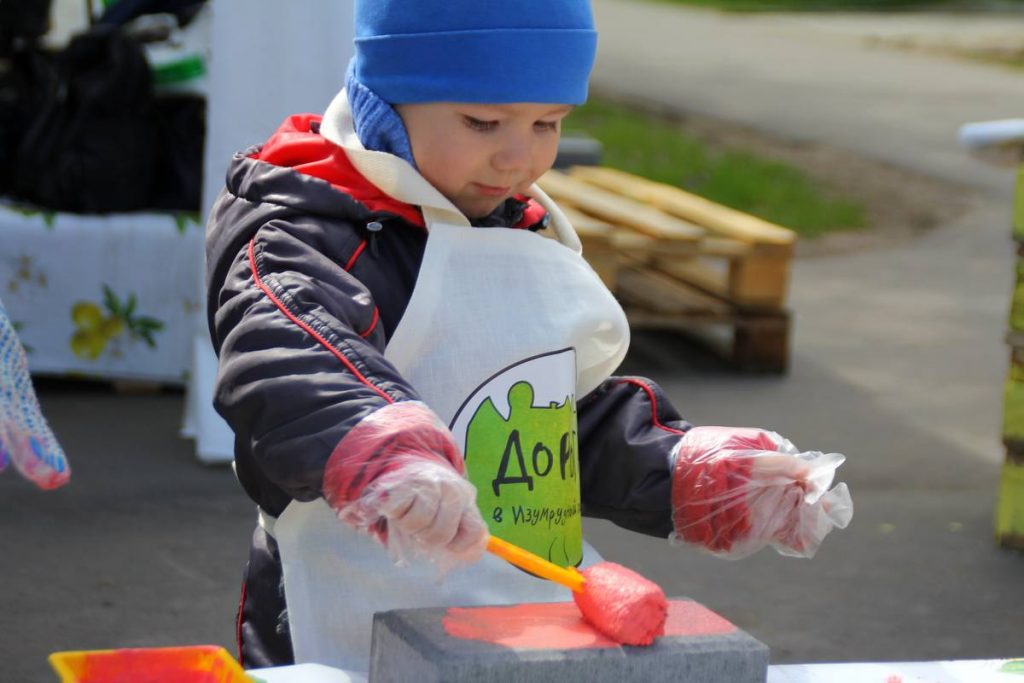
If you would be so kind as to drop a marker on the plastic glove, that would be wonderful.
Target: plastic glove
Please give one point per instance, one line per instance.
(25, 438)
(736, 490)
(399, 475)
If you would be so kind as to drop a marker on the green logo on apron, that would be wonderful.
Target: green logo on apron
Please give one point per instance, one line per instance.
(526, 472)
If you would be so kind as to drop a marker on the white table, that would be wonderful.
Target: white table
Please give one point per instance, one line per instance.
(963, 671)
(304, 673)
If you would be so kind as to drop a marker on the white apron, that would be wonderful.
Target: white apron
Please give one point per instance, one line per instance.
(504, 330)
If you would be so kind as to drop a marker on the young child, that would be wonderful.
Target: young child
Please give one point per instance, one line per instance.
(406, 363)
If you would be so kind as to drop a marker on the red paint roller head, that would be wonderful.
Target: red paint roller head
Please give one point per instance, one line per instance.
(621, 604)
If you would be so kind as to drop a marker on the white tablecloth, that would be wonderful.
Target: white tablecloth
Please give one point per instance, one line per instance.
(964, 671)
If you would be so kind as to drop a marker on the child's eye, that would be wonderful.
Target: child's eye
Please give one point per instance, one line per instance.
(478, 124)
(546, 126)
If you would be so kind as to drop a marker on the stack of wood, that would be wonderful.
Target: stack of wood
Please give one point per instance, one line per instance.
(678, 261)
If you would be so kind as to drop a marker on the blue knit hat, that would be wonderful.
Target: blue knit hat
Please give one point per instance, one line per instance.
(485, 51)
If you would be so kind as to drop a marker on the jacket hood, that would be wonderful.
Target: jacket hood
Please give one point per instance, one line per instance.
(297, 145)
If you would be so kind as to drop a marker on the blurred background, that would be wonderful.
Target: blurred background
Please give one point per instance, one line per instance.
(831, 253)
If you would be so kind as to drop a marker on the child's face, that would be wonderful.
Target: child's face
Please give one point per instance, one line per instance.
(479, 155)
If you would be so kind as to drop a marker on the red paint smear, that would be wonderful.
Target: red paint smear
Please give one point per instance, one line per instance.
(559, 626)
(189, 665)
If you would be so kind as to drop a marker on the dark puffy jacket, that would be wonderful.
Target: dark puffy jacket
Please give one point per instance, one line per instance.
(302, 299)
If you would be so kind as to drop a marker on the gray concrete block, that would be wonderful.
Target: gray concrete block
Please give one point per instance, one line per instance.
(417, 645)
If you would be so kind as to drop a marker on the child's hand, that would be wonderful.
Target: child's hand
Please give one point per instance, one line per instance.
(25, 438)
(736, 490)
(429, 510)
(399, 475)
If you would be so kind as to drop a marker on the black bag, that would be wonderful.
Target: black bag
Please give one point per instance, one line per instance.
(24, 74)
(181, 130)
(91, 147)
(24, 82)
(22, 21)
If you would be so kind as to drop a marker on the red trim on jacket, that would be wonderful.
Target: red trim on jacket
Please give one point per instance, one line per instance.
(306, 328)
(294, 145)
(654, 405)
(373, 323)
(355, 256)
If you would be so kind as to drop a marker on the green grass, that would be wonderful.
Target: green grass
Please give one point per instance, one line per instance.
(655, 148)
(1013, 59)
(829, 5)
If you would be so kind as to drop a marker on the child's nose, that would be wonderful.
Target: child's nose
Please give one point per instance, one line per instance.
(514, 155)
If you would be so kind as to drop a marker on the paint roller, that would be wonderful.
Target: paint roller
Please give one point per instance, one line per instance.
(615, 600)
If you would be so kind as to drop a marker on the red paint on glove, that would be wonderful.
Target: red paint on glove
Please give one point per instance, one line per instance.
(383, 441)
(709, 485)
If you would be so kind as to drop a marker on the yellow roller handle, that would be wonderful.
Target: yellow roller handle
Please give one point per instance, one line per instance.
(524, 559)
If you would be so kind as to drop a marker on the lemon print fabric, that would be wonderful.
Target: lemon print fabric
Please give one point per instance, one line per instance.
(521, 450)
(103, 329)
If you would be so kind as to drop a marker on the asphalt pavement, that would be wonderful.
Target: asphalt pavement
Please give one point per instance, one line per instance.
(897, 361)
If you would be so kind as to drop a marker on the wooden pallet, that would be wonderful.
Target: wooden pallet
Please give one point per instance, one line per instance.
(678, 261)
